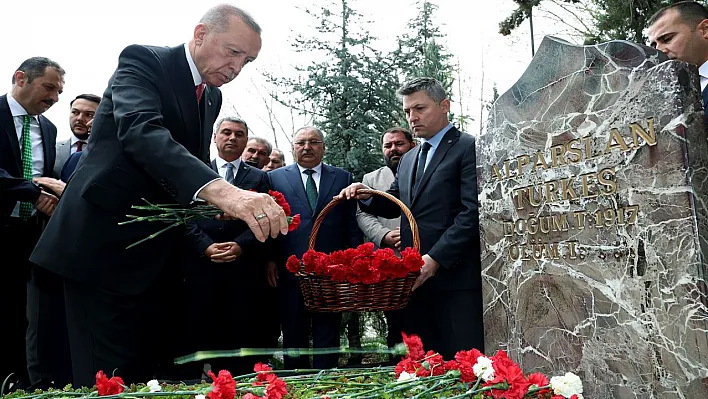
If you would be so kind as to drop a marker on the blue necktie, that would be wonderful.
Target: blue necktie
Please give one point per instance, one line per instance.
(230, 173)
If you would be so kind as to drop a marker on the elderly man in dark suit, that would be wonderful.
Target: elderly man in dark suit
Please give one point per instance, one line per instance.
(309, 185)
(27, 141)
(150, 140)
(438, 183)
(224, 256)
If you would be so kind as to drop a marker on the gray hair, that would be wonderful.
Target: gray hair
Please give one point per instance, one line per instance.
(431, 86)
(316, 130)
(217, 18)
(232, 119)
(36, 66)
(281, 154)
(260, 140)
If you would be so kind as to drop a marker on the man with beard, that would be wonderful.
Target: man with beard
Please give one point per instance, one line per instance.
(83, 108)
(257, 152)
(386, 233)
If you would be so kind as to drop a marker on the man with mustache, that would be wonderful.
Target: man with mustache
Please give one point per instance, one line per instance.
(27, 151)
(383, 232)
(82, 110)
(150, 141)
(257, 152)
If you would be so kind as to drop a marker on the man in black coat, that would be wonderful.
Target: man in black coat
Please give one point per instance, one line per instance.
(27, 141)
(149, 140)
(225, 267)
(437, 181)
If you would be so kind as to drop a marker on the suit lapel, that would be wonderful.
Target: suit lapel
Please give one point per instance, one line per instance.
(451, 136)
(9, 126)
(705, 102)
(326, 181)
(295, 181)
(183, 85)
(241, 174)
(406, 176)
(49, 149)
(213, 166)
(208, 102)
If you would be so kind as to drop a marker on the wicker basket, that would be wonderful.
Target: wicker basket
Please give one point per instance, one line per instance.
(321, 294)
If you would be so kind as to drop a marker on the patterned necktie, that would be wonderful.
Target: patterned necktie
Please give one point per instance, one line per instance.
(200, 90)
(230, 173)
(79, 146)
(26, 207)
(311, 189)
(420, 170)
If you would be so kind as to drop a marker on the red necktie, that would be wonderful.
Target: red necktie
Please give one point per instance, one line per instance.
(200, 91)
(79, 146)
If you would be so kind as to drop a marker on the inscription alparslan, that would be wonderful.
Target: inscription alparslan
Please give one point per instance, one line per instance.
(586, 186)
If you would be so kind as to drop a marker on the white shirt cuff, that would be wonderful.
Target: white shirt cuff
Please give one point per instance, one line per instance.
(194, 198)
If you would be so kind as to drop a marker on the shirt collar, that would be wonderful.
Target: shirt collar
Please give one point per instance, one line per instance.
(317, 169)
(15, 108)
(74, 139)
(220, 163)
(193, 67)
(437, 138)
(703, 70)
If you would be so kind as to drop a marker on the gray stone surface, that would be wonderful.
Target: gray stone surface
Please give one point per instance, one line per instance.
(620, 298)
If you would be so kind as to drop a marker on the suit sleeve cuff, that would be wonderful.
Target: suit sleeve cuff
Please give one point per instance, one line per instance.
(194, 198)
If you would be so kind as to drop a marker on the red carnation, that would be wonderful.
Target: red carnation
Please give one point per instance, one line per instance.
(540, 380)
(294, 222)
(276, 389)
(106, 386)
(414, 345)
(293, 265)
(224, 386)
(263, 371)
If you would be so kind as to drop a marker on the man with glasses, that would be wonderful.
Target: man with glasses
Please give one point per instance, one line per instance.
(309, 185)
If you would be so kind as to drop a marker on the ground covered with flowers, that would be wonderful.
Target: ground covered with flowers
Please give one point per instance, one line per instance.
(418, 375)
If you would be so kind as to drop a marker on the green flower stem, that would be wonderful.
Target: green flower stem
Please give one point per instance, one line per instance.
(203, 355)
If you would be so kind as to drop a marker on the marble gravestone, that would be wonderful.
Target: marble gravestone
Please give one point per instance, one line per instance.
(593, 202)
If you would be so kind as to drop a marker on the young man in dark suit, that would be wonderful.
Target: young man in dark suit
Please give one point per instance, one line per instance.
(309, 185)
(438, 182)
(225, 266)
(150, 140)
(27, 141)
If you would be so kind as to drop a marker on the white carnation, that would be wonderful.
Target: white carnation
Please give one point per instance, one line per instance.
(483, 368)
(154, 386)
(200, 396)
(406, 376)
(567, 385)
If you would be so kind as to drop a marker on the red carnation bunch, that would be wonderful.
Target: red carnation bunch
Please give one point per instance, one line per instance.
(223, 385)
(499, 374)
(275, 387)
(293, 221)
(361, 265)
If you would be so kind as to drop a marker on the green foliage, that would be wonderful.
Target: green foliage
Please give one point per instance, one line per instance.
(610, 19)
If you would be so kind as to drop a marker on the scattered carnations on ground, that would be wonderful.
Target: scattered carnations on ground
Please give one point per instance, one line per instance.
(420, 374)
(358, 265)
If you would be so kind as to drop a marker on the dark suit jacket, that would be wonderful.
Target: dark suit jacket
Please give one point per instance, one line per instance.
(13, 186)
(149, 140)
(445, 210)
(203, 233)
(339, 229)
(69, 166)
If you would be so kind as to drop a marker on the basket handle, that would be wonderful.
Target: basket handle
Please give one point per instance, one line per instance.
(335, 201)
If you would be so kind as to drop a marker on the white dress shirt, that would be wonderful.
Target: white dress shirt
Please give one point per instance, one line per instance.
(703, 72)
(221, 166)
(18, 112)
(315, 176)
(74, 146)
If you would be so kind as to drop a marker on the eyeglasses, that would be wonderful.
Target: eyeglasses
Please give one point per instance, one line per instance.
(302, 143)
